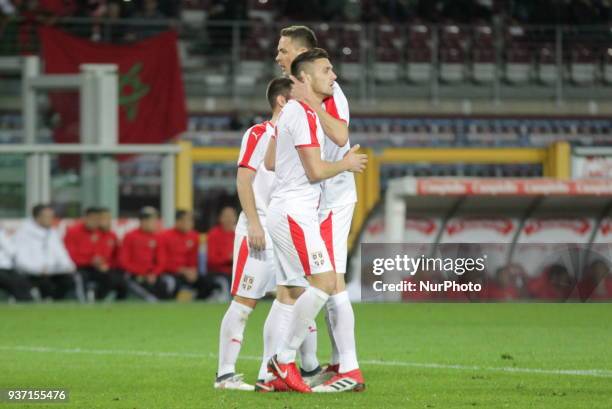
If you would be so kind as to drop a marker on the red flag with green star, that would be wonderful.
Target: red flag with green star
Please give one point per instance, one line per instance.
(151, 94)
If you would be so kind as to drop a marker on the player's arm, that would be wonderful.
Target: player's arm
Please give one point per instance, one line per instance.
(317, 169)
(244, 186)
(270, 157)
(336, 129)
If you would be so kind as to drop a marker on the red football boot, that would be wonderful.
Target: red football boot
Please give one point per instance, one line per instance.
(290, 374)
(351, 381)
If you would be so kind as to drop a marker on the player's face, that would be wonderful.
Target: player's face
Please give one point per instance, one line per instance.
(45, 218)
(105, 220)
(323, 77)
(287, 50)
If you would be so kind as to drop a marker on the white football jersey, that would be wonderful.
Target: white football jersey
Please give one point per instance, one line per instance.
(298, 127)
(339, 190)
(252, 153)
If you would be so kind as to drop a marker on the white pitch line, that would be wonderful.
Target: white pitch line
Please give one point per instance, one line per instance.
(597, 373)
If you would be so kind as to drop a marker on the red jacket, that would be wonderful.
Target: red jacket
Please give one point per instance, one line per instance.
(220, 250)
(179, 249)
(81, 243)
(140, 253)
(108, 248)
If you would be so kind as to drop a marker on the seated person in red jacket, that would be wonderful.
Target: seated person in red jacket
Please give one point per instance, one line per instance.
(555, 283)
(596, 282)
(179, 246)
(140, 257)
(80, 241)
(106, 258)
(221, 244)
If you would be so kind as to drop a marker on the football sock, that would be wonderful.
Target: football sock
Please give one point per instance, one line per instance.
(343, 328)
(274, 329)
(305, 311)
(308, 349)
(330, 319)
(230, 336)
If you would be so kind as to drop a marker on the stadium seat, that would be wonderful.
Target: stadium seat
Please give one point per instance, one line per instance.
(607, 66)
(452, 54)
(583, 65)
(351, 67)
(418, 55)
(547, 65)
(389, 44)
(483, 55)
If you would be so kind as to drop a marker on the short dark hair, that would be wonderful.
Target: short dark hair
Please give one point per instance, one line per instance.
(103, 210)
(92, 210)
(38, 209)
(180, 213)
(303, 34)
(278, 86)
(148, 212)
(305, 58)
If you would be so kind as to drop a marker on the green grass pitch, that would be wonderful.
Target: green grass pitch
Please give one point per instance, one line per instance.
(412, 355)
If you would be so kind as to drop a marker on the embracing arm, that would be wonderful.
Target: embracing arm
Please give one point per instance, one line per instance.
(317, 169)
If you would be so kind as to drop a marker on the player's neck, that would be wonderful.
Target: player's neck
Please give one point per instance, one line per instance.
(274, 117)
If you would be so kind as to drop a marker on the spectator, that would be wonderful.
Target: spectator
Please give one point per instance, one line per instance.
(180, 247)
(13, 283)
(80, 239)
(221, 244)
(106, 259)
(141, 258)
(41, 256)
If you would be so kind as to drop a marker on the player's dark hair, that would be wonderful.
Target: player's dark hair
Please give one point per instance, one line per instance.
(147, 212)
(92, 210)
(307, 57)
(180, 213)
(39, 208)
(278, 86)
(304, 35)
(103, 210)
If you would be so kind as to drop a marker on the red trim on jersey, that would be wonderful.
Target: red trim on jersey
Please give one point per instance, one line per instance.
(243, 253)
(328, 237)
(299, 242)
(254, 137)
(308, 145)
(242, 165)
(312, 125)
(331, 108)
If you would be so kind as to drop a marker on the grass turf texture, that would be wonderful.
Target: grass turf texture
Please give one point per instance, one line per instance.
(109, 372)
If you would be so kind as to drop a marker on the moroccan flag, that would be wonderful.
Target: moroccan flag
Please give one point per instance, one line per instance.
(151, 95)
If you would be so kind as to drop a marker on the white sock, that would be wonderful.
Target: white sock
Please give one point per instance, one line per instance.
(344, 332)
(305, 311)
(331, 317)
(274, 329)
(230, 336)
(308, 349)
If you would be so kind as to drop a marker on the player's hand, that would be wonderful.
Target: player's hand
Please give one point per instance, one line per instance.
(301, 90)
(151, 278)
(257, 237)
(356, 162)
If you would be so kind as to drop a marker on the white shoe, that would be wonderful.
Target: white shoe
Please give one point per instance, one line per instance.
(316, 377)
(233, 382)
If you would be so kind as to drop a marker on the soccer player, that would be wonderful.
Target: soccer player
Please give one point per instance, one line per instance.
(335, 210)
(253, 270)
(292, 218)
